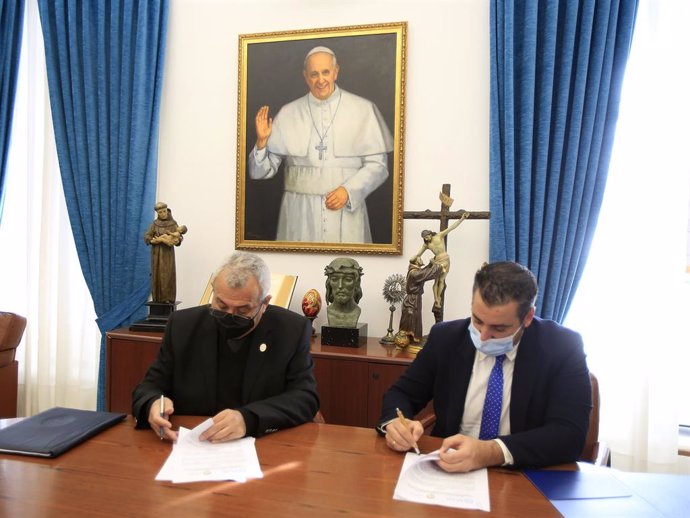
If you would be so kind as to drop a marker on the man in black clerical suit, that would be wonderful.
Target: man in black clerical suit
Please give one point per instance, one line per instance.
(239, 359)
(541, 409)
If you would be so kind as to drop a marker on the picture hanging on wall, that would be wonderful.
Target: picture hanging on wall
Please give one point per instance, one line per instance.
(320, 140)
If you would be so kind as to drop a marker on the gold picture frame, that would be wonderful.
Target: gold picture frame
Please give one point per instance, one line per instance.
(282, 290)
(370, 65)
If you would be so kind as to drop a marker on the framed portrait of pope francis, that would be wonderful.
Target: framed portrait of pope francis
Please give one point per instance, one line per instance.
(320, 134)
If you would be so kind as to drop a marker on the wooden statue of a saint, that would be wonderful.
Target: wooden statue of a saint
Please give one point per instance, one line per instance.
(164, 234)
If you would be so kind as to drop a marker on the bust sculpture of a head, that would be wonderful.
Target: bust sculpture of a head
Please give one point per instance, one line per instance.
(343, 291)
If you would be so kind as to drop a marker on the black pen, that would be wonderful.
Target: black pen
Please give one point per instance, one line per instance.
(161, 412)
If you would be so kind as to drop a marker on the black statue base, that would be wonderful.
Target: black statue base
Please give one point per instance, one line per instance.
(155, 322)
(313, 329)
(344, 336)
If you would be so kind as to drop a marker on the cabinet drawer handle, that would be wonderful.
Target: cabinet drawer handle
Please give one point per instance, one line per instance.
(375, 375)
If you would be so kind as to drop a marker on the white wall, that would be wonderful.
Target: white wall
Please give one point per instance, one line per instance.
(446, 138)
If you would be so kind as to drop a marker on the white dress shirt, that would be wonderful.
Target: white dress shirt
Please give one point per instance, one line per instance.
(476, 393)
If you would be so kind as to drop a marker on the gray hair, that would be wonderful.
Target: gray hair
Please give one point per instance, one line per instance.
(239, 266)
(317, 50)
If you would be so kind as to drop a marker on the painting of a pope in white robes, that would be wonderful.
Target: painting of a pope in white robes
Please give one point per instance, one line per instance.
(325, 154)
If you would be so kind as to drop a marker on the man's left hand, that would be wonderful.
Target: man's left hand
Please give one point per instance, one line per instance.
(228, 425)
(460, 454)
(336, 200)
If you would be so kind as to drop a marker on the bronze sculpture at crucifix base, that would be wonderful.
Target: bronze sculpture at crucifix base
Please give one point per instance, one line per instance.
(410, 331)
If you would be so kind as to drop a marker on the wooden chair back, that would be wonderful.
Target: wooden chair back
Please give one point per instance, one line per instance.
(595, 451)
(11, 331)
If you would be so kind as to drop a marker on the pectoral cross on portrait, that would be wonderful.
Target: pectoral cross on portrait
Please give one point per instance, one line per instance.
(444, 216)
(320, 147)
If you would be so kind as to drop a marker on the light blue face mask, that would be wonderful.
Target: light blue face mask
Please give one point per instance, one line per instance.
(492, 346)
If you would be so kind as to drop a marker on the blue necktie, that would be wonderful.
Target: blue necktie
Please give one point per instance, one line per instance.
(491, 416)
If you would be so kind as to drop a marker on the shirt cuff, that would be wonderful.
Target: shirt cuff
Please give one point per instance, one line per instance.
(507, 456)
(382, 427)
(260, 154)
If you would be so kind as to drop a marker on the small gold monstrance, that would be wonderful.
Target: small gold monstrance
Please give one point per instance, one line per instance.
(393, 293)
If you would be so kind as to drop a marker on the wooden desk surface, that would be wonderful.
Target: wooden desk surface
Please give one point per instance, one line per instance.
(311, 470)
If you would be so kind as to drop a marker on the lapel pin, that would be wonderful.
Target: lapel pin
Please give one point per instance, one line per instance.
(263, 348)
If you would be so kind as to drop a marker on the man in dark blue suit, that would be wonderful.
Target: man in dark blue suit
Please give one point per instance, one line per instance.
(240, 360)
(543, 406)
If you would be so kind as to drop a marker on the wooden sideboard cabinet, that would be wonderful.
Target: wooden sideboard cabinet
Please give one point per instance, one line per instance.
(128, 356)
(351, 381)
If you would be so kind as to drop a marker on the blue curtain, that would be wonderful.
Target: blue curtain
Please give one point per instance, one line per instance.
(105, 69)
(11, 25)
(556, 74)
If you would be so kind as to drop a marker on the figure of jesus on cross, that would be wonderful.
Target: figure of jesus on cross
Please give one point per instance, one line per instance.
(436, 241)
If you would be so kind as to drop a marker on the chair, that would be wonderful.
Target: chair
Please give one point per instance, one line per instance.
(11, 331)
(428, 421)
(595, 452)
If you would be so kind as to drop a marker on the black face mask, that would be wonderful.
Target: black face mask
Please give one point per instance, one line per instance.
(234, 325)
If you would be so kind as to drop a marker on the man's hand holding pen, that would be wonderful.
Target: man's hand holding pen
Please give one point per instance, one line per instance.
(159, 414)
(402, 434)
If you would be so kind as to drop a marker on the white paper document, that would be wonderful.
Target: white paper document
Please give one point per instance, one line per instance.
(192, 460)
(422, 481)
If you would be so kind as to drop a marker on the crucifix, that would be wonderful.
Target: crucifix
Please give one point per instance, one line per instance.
(321, 148)
(444, 216)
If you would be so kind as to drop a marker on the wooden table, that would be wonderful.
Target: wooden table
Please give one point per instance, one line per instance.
(311, 470)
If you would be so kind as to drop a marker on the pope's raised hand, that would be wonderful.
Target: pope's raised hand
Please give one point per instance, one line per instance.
(264, 126)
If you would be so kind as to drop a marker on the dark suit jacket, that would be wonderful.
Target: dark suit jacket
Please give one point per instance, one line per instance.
(550, 397)
(279, 388)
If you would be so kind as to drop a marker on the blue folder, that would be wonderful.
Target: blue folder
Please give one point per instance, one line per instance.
(612, 493)
(576, 485)
(53, 432)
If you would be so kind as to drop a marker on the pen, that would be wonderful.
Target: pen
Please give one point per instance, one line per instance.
(161, 411)
(404, 422)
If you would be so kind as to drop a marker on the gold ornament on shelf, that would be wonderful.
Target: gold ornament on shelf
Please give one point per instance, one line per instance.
(393, 293)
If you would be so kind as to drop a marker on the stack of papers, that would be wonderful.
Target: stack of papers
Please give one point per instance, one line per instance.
(193, 460)
(422, 481)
